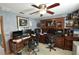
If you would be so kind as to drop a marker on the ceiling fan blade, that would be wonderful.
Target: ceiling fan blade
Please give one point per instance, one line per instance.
(34, 12)
(53, 5)
(35, 6)
(50, 12)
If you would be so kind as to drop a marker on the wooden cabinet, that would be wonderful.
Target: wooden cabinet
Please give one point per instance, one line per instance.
(42, 38)
(65, 42)
(59, 23)
(54, 23)
(15, 47)
(68, 42)
(68, 45)
(43, 23)
(60, 42)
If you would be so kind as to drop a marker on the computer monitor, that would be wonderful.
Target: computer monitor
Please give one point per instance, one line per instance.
(27, 32)
(17, 34)
(59, 32)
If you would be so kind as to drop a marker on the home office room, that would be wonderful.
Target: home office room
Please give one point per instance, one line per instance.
(44, 28)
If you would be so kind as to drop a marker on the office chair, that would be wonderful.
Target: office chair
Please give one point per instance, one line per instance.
(37, 32)
(35, 47)
(32, 45)
(51, 40)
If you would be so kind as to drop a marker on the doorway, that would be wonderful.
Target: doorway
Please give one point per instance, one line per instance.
(2, 38)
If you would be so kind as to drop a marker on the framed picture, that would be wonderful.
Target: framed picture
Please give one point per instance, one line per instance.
(69, 24)
(22, 22)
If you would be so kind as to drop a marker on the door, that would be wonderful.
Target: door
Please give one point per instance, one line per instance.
(2, 38)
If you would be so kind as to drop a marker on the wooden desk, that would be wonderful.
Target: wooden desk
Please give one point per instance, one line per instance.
(59, 42)
(65, 42)
(42, 38)
(68, 42)
(16, 46)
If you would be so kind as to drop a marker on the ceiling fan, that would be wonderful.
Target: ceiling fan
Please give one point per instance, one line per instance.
(44, 9)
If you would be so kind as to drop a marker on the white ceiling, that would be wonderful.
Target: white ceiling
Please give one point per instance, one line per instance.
(64, 8)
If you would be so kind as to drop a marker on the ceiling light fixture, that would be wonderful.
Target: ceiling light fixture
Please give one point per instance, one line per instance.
(43, 9)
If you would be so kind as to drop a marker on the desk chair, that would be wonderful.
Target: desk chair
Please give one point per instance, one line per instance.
(33, 47)
(33, 44)
(51, 41)
(37, 32)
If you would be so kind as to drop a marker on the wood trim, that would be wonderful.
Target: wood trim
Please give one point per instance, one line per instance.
(17, 21)
(52, 18)
(3, 34)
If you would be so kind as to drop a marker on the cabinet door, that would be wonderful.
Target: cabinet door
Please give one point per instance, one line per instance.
(42, 38)
(68, 45)
(59, 23)
(68, 42)
(60, 42)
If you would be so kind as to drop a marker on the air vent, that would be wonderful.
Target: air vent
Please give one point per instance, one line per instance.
(21, 12)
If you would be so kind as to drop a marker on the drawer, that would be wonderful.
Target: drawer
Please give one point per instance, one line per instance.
(69, 47)
(17, 46)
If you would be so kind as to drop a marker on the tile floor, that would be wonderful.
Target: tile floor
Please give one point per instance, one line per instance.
(45, 51)
(1, 51)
